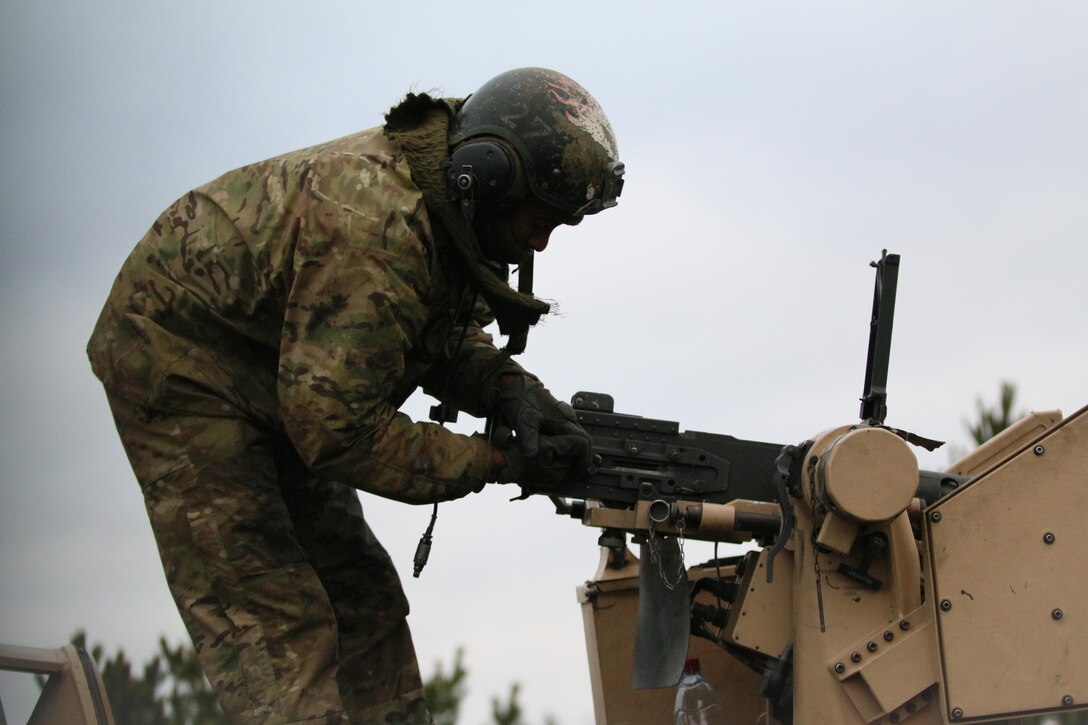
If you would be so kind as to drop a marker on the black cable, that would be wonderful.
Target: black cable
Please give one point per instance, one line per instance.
(423, 548)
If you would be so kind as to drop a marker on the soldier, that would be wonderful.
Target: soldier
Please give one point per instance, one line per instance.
(257, 345)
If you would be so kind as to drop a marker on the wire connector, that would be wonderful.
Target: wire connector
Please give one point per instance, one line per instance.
(423, 552)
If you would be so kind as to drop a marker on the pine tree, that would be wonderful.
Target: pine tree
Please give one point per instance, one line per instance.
(992, 421)
(444, 693)
(170, 689)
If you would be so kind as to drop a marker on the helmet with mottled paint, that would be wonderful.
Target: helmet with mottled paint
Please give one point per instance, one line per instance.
(563, 146)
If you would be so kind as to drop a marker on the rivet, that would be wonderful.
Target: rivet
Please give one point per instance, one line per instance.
(904, 625)
(1048, 538)
(1067, 700)
(935, 517)
(1039, 450)
(946, 605)
(1056, 614)
(871, 646)
(957, 713)
(888, 636)
(633, 450)
(855, 657)
(840, 667)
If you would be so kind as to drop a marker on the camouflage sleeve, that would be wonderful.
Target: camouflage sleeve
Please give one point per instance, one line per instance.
(355, 308)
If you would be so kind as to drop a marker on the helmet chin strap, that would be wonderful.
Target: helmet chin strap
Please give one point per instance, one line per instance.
(516, 342)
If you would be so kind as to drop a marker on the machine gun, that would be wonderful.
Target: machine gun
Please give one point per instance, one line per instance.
(651, 463)
(830, 618)
(637, 459)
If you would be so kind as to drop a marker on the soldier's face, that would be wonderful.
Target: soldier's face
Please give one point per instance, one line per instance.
(526, 227)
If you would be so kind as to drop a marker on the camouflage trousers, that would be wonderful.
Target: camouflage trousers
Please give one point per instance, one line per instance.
(295, 609)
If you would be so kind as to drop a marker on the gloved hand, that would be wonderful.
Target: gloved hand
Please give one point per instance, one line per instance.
(515, 469)
(549, 443)
(530, 472)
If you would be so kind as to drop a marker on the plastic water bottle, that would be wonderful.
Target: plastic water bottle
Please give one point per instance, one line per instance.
(696, 701)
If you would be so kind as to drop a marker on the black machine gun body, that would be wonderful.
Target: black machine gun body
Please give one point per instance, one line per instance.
(648, 459)
(637, 458)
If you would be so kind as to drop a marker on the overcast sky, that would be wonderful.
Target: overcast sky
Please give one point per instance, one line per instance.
(772, 151)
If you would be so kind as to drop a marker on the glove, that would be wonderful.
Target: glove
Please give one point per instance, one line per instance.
(549, 442)
(531, 473)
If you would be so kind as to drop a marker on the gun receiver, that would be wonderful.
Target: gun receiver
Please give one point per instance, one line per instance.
(647, 459)
(638, 458)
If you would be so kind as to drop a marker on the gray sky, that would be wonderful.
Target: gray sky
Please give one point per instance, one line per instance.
(772, 151)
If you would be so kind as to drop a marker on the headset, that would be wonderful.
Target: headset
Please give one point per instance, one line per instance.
(484, 172)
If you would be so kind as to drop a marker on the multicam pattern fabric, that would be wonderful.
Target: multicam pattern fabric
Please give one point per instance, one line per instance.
(307, 291)
(256, 347)
(294, 608)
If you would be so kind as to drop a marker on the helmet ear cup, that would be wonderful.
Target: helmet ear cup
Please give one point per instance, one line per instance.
(482, 171)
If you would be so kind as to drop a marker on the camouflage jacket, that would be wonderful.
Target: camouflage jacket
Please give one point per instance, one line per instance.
(308, 293)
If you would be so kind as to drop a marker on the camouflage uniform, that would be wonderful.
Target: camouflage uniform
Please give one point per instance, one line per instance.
(255, 349)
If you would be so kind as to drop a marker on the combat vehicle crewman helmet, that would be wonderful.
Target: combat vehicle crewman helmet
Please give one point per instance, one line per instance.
(554, 141)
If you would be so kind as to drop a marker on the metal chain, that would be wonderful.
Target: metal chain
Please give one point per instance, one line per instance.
(655, 556)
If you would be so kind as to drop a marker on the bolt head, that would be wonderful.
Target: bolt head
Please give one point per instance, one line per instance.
(1067, 700)
(855, 657)
(888, 636)
(1039, 450)
(1057, 614)
(1048, 538)
(957, 713)
(894, 717)
(935, 517)
(871, 646)
(904, 625)
(840, 667)
(946, 604)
